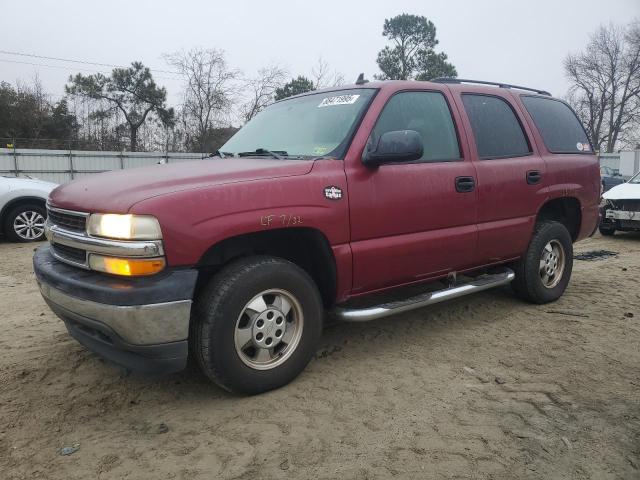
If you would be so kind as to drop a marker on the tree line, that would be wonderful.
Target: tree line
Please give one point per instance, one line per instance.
(605, 86)
(127, 110)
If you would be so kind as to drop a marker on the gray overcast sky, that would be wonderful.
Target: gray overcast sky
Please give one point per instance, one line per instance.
(500, 40)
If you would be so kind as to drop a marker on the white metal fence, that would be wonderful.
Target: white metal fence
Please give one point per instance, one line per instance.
(627, 162)
(61, 166)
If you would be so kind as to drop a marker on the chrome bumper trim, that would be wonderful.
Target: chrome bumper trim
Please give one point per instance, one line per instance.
(148, 324)
(623, 215)
(124, 248)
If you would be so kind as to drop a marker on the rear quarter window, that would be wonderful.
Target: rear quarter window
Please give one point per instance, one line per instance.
(559, 127)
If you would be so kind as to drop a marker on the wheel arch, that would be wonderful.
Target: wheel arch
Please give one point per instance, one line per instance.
(307, 247)
(23, 200)
(566, 210)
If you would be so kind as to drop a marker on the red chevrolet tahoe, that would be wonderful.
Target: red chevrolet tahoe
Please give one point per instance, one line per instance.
(321, 199)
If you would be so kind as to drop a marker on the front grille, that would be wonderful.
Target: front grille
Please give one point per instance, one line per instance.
(632, 205)
(68, 221)
(70, 253)
(630, 224)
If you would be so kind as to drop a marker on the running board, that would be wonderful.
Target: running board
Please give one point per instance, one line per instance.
(483, 282)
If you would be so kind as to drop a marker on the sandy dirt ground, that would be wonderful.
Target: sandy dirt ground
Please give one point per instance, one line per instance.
(484, 387)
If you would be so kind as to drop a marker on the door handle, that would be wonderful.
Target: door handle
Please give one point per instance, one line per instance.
(465, 184)
(533, 177)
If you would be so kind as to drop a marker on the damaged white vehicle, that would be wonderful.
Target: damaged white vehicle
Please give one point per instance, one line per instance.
(621, 210)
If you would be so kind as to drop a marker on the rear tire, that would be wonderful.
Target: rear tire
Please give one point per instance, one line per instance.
(543, 274)
(256, 324)
(25, 223)
(607, 231)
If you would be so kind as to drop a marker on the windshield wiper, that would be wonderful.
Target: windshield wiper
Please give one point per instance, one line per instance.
(220, 154)
(262, 151)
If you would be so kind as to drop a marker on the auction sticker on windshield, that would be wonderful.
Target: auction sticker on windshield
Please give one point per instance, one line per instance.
(339, 100)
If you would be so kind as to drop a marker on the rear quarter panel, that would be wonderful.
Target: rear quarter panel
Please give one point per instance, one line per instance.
(577, 176)
(570, 175)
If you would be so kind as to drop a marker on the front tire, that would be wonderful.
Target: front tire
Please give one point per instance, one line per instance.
(25, 223)
(543, 274)
(256, 324)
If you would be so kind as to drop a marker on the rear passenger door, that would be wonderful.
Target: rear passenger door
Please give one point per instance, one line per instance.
(511, 175)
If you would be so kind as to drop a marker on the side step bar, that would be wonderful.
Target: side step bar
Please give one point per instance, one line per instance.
(483, 282)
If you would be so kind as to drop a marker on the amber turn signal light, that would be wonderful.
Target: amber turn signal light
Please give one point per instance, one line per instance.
(127, 267)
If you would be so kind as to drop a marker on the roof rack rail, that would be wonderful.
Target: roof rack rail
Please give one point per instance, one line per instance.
(483, 82)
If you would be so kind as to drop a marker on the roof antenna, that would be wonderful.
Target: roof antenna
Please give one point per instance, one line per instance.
(361, 80)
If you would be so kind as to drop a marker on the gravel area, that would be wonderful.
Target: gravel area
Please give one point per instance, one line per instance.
(484, 387)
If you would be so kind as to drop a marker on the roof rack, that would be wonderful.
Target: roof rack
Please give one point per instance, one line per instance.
(482, 82)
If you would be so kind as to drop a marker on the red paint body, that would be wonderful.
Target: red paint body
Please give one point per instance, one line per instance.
(395, 225)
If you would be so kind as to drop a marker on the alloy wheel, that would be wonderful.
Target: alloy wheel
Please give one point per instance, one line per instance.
(29, 225)
(268, 329)
(552, 263)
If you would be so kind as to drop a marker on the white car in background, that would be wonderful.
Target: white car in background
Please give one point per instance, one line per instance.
(621, 210)
(23, 208)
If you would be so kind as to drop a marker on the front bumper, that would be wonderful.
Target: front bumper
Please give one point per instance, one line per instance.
(140, 323)
(624, 220)
(623, 215)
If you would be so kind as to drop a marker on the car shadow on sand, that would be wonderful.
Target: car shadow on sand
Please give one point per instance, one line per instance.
(350, 343)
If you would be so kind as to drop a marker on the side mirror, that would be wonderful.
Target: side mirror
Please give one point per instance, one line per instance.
(395, 146)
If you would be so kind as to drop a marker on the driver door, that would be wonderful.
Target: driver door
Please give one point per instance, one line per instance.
(413, 221)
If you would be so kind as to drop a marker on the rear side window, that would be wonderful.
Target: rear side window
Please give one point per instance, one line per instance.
(496, 128)
(428, 114)
(560, 128)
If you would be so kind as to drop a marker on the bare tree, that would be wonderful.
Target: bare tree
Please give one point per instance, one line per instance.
(605, 85)
(209, 93)
(323, 77)
(261, 90)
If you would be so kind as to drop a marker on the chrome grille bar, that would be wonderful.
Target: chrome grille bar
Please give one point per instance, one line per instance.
(70, 235)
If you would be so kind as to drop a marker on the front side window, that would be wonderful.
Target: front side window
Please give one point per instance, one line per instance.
(496, 128)
(560, 128)
(426, 113)
(319, 124)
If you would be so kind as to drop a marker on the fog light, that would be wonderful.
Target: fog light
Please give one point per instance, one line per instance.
(128, 267)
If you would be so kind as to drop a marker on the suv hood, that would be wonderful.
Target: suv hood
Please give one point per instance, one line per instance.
(117, 191)
(624, 191)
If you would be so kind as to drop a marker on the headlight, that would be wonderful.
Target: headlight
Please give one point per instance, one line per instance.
(124, 227)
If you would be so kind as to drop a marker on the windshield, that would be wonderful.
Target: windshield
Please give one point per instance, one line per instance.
(310, 126)
(635, 178)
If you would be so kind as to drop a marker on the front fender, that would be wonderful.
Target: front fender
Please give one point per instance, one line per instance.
(194, 220)
(12, 197)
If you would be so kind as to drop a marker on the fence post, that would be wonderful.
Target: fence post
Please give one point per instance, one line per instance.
(71, 163)
(15, 157)
(121, 155)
